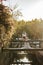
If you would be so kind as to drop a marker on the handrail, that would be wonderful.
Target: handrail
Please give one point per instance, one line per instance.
(22, 49)
(22, 62)
(29, 40)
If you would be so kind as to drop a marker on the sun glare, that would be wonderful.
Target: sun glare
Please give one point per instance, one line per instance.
(30, 9)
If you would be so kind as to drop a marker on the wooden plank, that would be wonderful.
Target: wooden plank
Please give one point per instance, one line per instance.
(22, 49)
(37, 40)
(30, 62)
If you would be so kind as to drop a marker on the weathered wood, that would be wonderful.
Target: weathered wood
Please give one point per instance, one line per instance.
(22, 49)
(22, 62)
(37, 40)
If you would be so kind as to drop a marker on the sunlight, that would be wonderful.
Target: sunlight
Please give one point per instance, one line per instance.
(25, 60)
(30, 9)
(35, 11)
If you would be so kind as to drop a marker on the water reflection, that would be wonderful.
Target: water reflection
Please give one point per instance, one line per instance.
(25, 59)
(21, 57)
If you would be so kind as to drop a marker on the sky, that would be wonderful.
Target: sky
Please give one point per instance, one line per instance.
(30, 9)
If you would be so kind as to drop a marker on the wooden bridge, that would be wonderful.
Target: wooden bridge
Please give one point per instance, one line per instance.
(17, 46)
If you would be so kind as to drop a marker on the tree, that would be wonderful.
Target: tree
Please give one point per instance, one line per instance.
(16, 12)
(6, 32)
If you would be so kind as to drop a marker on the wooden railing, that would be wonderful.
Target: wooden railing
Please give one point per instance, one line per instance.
(23, 49)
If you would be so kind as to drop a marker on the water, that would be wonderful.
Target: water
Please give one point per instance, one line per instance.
(22, 57)
(25, 60)
(22, 60)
